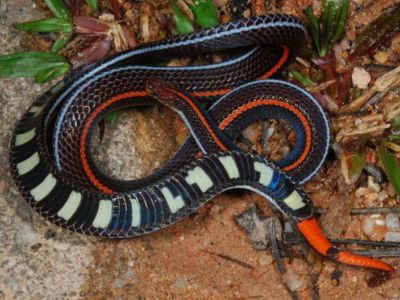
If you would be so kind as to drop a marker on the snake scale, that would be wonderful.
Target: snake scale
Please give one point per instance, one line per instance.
(56, 175)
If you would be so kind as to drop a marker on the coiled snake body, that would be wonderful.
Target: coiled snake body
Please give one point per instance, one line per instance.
(54, 172)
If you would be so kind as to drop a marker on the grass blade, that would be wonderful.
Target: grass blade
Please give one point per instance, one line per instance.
(343, 11)
(60, 43)
(314, 27)
(182, 22)
(356, 166)
(28, 64)
(303, 79)
(49, 74)
(58, 8)
(205, 13)
(32, 55)
(324, 11)
(46, 25)
(391, 167)
(114, 115)
(92, 5)
(328, 25)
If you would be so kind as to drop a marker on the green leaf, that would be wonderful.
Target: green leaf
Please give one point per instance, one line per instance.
(394, 137)
(342, 13)
(92, 5)
(314, 27)
(182, 22)
(28, 64)
(60, 43)
(46, 25)
(205, 13)
(49, 74)
(324, 11)
(114, 115)
(328, 26)
(396, 123)
(306, 81)
(356, 166)
(58, 8)
(391, 167)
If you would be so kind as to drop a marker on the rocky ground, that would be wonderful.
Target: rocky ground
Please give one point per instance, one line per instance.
(185, 261)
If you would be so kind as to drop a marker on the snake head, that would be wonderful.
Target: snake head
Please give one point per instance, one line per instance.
(163, 90)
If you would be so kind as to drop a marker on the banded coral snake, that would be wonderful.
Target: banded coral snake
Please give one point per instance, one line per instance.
(56, 175)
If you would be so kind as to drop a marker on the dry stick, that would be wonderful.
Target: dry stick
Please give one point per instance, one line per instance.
(231, 259)
(365, 243)
(367, 211)
(376, 252)
(390, 253)
(381, 85)
(271, 232)
(264, 135)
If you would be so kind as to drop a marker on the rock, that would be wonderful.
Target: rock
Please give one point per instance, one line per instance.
(393, 222)
(180, 283)
(392, 236)
(127, 278)
(374, 227)
(361, 78)
(266, 260)
(252, 133)
(373, 185)
(295, 282)
(381, 57)
(256, 226)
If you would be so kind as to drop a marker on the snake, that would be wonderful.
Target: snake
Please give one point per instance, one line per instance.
(54, 171)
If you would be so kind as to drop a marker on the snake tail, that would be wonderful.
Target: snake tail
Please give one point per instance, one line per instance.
(292, 198)
(316, 238)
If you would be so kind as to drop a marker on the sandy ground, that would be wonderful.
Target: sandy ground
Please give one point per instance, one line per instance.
(41, 261)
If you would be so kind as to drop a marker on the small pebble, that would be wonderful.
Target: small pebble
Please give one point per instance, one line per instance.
(107, 17)
(265, 260)
(381, 57)
(373, 185)
(393, 222)
(361, 78)
(251, 133)
(368, 197)
(288, 227)
(362, 191)
(180, 283)
(374, 227)
(392, 236)
(295, 282)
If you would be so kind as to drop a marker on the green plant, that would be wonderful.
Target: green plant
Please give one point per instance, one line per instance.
(391, 166)
(205, 15)
(329, 27)
(41, 65)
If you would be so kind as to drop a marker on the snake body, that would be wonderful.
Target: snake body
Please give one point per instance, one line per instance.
(56, 175)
